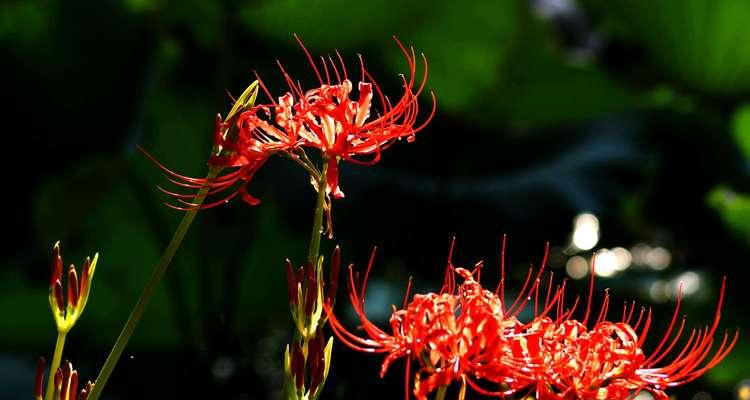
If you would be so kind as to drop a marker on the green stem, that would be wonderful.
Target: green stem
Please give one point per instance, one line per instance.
(290, 387)
(442, 390)
(317, 229)
(59, 344)
(148, 291)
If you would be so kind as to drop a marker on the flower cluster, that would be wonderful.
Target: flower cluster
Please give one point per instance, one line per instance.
(325, 118)
(468, 334)
(66, 313)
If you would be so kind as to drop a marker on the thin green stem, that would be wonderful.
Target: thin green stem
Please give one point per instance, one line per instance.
(442, 390)
(317, 229)
(290, 390)
(59, 344)
(148, 291)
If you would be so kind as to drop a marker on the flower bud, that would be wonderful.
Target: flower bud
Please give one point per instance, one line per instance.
(311, 289)
(298, 366)
(66, 313)
(291, 283)
(39, 379)
(72, 287)
(55, 266)
(334, 280)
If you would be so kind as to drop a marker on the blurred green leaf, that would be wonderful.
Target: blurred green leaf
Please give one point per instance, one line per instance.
(741, 129)
(142, 6)
(486, 58)
(544, 88)
(319, 23)
(28, 309)
(702, 42)
(734, 210)
(732, 369)
(466, 59)
(262, 288)
(26, 22)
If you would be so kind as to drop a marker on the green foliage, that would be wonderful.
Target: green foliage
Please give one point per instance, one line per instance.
(486, 58)
(26, 22)
(323, 22)
(734, 210)
(702, 42)
(741, 130)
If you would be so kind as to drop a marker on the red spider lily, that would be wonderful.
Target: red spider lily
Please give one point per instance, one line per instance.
(466, 333)
(65, 383)
(463, 333)
(327, 119)
(324, 118)
(247, 154)
(607, 361)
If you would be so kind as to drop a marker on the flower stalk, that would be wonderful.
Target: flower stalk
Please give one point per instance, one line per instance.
(246, 100)
(317, 228)
(67, 307)
(56, 358)
(307, 359)
(146, 294)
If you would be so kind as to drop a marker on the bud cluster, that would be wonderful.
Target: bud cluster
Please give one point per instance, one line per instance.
(307, 359)
(65, 383)
(67, 309)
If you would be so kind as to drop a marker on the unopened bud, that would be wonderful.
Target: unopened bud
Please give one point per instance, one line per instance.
(59, 301)
(291, 283)
(72, 287)
(333, 283)
(39, 379)
(298, 366)
(55, 266)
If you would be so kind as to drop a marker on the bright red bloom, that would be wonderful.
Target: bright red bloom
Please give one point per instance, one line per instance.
(323, 118)
(466, 333)
(607, 360)
(327, 118)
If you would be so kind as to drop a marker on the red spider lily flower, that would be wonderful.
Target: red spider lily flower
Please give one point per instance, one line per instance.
(66, 313)
(608, 361)
(327, 118)
(324, 118)
(470, 335)
(464, 333)
(251, 149)
(65, 383)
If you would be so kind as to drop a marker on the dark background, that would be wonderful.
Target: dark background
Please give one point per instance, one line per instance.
(633, 111)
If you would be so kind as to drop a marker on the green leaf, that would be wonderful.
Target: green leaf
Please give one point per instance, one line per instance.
(741, 129)
(702, 42)
(325, 23)
(262, 288)
(26, 22)
(734, 210)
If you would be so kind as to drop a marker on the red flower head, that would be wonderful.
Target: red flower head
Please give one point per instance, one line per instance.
(466, 333)
(323, 118)
(608, 361)
(327, 118)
